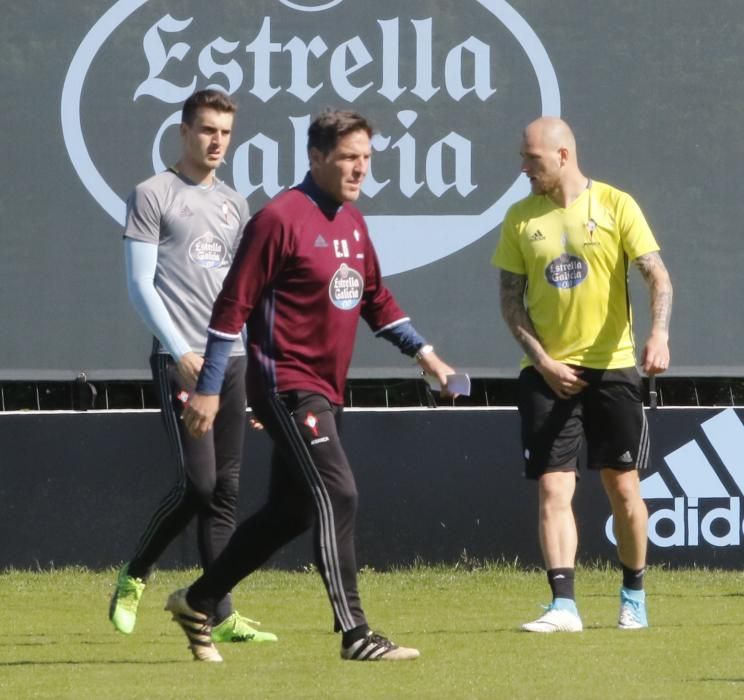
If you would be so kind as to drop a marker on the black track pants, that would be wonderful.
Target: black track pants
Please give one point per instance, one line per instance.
(312, 485)
(207, 471)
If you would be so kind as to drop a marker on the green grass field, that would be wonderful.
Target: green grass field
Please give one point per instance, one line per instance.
(58, 642)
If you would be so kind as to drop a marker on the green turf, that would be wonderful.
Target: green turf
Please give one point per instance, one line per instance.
(57, 641)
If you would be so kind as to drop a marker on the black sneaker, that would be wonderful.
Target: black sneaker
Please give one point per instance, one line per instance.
(375, 647)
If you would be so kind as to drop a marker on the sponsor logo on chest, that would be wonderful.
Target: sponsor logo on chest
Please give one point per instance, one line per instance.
(208, 251)
(346, 288)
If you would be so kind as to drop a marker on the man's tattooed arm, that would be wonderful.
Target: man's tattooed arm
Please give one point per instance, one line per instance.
(655, 273)
(512, 289)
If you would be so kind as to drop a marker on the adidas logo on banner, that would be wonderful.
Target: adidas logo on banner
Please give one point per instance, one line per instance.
(690, 521)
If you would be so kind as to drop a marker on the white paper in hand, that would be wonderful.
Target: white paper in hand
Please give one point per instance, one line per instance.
(458, 383)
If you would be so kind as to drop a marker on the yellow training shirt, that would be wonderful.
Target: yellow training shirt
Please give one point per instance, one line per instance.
(576, 263)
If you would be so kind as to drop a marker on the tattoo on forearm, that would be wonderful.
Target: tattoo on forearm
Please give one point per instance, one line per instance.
(515, 314)
(655, 273)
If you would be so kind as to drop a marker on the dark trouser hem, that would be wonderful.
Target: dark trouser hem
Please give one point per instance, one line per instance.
(355, 635)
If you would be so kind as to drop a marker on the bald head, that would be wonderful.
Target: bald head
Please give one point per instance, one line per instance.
(550, 133)
(549, 159)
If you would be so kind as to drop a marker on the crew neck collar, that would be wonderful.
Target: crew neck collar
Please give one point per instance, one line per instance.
(311, 189)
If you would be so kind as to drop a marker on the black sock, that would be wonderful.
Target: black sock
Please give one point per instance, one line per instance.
(354, 635)
(201, 605)
(633, 578)
(562, 582)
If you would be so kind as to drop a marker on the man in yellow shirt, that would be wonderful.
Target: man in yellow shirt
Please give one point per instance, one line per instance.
(563, 253)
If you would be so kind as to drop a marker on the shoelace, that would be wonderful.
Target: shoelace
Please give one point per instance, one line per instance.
(127, 595)
(235, 619)
(129, 586)
(379, 640)
(251, 622)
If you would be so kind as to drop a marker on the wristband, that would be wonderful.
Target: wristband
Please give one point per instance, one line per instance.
(424, 350)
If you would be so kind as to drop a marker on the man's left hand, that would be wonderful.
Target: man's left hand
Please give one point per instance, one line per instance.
(656, 353)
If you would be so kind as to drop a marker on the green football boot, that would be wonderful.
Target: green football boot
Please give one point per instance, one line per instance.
(125, 601)
(237, 628)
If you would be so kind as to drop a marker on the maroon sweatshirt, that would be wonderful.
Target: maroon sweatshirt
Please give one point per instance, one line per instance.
(303, 274)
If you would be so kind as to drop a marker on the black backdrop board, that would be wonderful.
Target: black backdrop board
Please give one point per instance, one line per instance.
(91, 86)
(434, 484)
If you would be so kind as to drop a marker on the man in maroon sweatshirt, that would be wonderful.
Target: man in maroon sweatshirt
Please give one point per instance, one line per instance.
(305, 272)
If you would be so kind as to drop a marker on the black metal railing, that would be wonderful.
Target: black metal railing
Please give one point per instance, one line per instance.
(360, 393)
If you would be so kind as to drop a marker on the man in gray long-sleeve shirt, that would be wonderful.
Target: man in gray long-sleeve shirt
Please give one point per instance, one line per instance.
(182, 229)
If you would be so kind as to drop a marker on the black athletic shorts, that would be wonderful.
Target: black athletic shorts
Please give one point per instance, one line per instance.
(608, 414)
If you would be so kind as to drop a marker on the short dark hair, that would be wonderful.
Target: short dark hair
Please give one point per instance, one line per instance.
(332, 124)
(213, 99)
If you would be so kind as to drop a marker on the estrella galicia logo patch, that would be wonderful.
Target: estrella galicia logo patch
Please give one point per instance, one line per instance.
(208, 251)
(566, 271)
(346, 288)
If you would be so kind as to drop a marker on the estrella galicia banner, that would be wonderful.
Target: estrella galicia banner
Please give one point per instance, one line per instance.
(94, 90)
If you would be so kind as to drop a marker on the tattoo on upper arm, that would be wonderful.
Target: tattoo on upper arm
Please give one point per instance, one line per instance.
(648, 263)
(653, 270)
(512, 294)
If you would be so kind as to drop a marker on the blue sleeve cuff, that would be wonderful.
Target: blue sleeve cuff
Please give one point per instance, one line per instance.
(215, 362)
(404, 336)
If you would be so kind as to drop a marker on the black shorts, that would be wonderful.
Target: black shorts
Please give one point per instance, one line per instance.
(608, 413)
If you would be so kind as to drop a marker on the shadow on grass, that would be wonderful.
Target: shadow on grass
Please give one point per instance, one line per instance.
(692, 594)
(662, 594)
(466, 633)
(110, 662)
(33, 640)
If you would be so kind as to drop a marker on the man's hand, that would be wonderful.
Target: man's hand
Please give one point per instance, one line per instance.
(255, 424)
(437, 368)
(189, 367)
(199, 414)
(655, 358)
(564, 380)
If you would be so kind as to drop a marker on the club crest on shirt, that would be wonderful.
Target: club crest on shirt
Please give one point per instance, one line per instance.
(591, 227)
(208, 251)
(312, 422)
(566, 271)
(346, 288)
(225, 214)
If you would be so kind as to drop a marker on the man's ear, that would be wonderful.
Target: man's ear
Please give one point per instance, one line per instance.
(315, 155)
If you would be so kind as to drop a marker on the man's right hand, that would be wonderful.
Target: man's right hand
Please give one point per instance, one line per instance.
(199, 413)
(564, 380)
(189, 367)
(437, 368)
